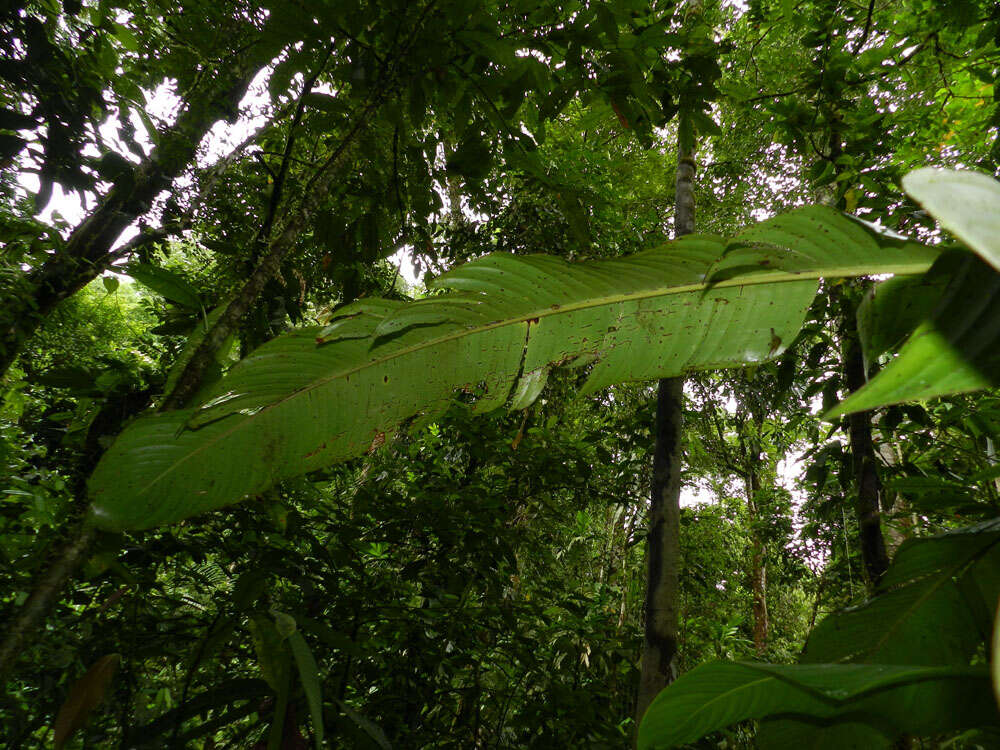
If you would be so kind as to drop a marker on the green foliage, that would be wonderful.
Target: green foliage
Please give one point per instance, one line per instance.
(889, 699)
(511, 320)
(954, 349)
(470, 580)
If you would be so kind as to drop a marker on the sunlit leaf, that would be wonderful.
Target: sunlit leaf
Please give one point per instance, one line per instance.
(965, 203)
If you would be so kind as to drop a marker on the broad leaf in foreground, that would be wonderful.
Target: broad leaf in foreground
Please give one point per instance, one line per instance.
(892, 309)
(965, 203)
(933, 607)
(957, 348)
(883, 697)
(317, 396)
(916, 637)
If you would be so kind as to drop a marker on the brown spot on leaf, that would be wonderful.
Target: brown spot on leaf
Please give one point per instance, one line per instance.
(377, 442)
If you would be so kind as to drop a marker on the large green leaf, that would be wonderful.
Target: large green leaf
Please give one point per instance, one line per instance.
(955, 351)
(957, 348)
(891, 699)
(916, 637)
(317, 396)
(892, 309)
(168, 283)
(967, 204)
(934, 605)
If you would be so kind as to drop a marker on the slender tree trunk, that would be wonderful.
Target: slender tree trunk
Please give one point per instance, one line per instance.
(659, 649)
(859, 424)
(863, 463)
(758, 565)
(759, 585)
(625, 568)
(751, 457)
(456, 217)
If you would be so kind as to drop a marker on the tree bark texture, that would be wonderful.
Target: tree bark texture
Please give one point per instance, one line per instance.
(28, 297)
(868, 487)
(758, 564)
(659, 649)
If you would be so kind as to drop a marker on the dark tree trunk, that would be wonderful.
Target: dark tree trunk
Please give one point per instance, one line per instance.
(859, 424)
(659, 650)
(758, 564)
(863, 462)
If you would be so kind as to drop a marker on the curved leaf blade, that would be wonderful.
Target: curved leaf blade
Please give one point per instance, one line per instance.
(892, 309)
(714, 696)
(296, 406)
(956, 351)
(965, 203)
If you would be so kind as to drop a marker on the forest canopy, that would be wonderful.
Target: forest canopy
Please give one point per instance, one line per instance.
(430, 373)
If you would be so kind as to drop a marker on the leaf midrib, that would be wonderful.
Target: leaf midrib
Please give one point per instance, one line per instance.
(777, 277)
(944, 576)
